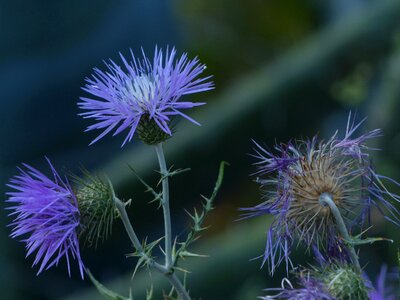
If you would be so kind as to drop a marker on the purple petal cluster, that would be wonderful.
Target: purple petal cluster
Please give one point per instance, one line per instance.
(309, 289)
(150, 87)
(46, 214)
(295, 175)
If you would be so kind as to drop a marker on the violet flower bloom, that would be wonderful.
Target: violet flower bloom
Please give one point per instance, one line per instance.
(46, 212)
(299, 173)
(310, 289)
(146, 90)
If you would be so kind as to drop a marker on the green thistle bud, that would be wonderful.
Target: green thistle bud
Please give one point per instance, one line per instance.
(344, 283)
(149, 132)
(95, 196)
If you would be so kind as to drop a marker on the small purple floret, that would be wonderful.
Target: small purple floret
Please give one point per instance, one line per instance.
(309, 289)
(152, 87)
(46, 213)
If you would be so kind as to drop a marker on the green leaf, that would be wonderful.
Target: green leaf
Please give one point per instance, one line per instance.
(108, 294)
(157, 196)
(172, 173)
(357, 241)
(198, 218)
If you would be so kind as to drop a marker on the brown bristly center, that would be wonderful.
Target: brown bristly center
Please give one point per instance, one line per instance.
(311, 179)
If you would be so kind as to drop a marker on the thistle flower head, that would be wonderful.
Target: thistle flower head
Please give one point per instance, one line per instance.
(143, 94)
(309, 289)
(95, 197)
(343, 282)
(335, 280)
(296, 177)
(46, 213)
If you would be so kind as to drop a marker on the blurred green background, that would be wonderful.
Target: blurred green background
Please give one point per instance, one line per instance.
(283, 69)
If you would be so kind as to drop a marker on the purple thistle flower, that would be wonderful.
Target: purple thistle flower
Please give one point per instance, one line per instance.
(296, 176)
(146, 89)
(46, 211)
(309, 289)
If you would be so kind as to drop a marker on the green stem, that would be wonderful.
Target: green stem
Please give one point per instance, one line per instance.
(128, 226)
(133, 237)
(177, 284)
(326, 199)
(165, 205)
(167, 269)
(173, 279)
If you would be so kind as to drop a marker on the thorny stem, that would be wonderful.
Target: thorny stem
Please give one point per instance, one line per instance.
(165, 206)
(173, 279)
(133, 237)
(326, 199)
(177, 284)
(128, 226)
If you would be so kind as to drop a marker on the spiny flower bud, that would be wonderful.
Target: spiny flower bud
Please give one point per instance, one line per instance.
(149, 132)
(95, 196)
(343, 282)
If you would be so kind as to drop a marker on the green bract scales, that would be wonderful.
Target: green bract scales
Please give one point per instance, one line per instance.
(95, 197)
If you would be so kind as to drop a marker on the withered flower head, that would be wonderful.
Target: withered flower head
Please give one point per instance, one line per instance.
(295, 177)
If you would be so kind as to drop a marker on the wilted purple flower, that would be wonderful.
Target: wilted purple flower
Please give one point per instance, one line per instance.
(354, 146)
(148, 89)
(46, 212)
(294, 179)
(309, 289)
(336, 252)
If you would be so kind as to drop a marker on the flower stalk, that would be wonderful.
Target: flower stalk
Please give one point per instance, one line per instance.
(326, 200)
(168, 272)
(165, 205)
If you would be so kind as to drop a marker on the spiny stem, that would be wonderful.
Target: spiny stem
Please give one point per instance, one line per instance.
(165, 205)
(174, 280)
(177, 284)
(166, 270)
(326, 199)
(133, 237)
(128, 226)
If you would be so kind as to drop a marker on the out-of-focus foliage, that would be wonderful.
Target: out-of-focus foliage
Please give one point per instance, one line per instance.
(236, 37)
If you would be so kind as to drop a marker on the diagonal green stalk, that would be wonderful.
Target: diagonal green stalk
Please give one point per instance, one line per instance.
(168, 272)
(326, 199)
(165, 205)
(179, 287)
(133, 237)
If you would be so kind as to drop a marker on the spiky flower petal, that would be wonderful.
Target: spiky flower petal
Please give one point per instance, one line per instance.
(294, 178)
(147, 92)
(46, 213)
